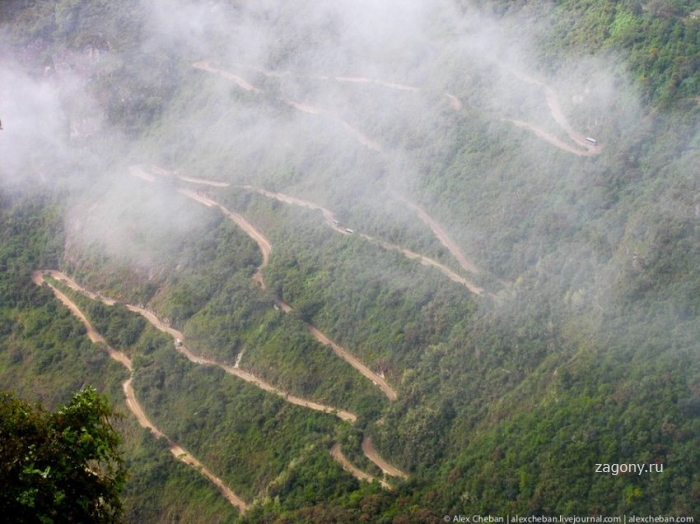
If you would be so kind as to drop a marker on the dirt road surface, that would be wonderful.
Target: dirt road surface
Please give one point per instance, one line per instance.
(442, 236)
(333, 223)
(372, 454)
(587, 149)
(454, 102)
(429, 262)
(362, 139)
(183, 349)
(263, 243)
(139, 172)
(348, 357)
(257, 236)
(555, 141)
(206, 66)
(93, 335)
(68, 281)
(202, 181)
(178, 452)
(301, 107)
(131, 402)
(348, 466)
(354, 362)
(327, 214)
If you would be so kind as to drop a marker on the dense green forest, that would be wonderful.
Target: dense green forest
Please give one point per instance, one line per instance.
(472, 225)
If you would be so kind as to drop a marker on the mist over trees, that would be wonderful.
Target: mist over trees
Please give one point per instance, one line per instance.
(545, 154)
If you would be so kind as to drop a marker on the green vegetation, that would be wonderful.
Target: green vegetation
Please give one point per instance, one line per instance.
(583, 350)
(63, 466)
(162, 488)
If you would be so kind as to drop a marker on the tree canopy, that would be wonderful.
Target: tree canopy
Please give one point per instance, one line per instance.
(62, 466)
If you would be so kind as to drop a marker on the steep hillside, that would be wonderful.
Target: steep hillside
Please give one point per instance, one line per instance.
(370, 262)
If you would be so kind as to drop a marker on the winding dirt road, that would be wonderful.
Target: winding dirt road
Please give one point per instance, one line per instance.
(585, 148)
(354, 362)
(371, 453)
(345, 355)
(205, 65)
(334, 224)
(431, 263)
(287, 199)
(348, 466)
(201, 181)
(442, 235)
(93, 335)
(266, 249)
(257, 236)
(164, 172)
(182, 348)
(178, 452)
(454, 101)
(555, 141)
(65, 279)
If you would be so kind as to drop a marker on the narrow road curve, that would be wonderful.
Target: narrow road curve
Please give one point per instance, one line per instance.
(345, 355)
(93, 335)
(348, 466)
(442, 236)
(354, 362)
(287, 199)
(589, 149)
(454, 102)
(164, 172)
(362, 139)
(204, 65)
(181, 348)
(178, 452)
(429, 262)
(555, 141)
(65, 279)
(371, 453)
(266, 248)
(257, 236)
(201, 181)
(334, 224)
